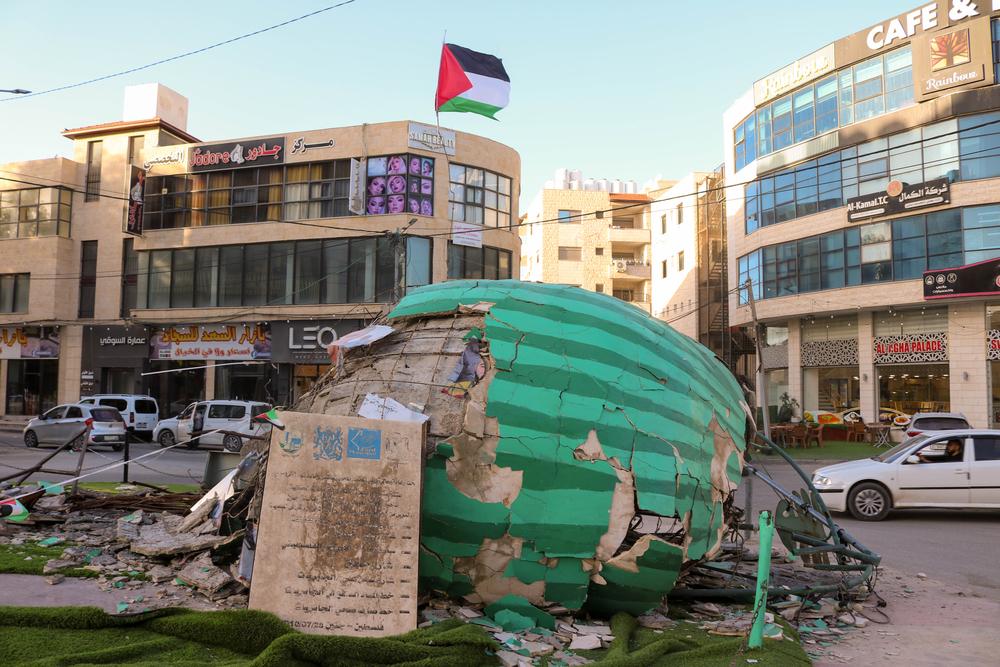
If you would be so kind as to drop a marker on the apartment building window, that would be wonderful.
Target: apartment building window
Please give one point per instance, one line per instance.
(88, 278)
(130, 277)
(599, 287)
(568, 216)
(663, 223)
(304, 191)
(478, 196)
(623, 294)
(355, 270)
(680, 214)
(95, 150)
(598, 251)
(488, 263)
(995, 25)
(14, 292)
(570, 253)
(135, 146)
(35, 212)
(663, 268)
(680, 261)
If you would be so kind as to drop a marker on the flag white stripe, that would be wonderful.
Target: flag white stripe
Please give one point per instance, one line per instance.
(487, 90)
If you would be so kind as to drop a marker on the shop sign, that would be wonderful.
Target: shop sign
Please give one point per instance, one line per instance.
(908, 348)
(171, 155)
(431, 138)
(356, 196)
(993, 345)
(904, 27)
(231, 342)
(899, 198)
(979, 279)
(792, 76)
(29, 343)
(115, 345)
(253, 153)
(306, 342)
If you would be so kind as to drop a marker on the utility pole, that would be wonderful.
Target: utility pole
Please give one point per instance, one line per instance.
(398, 241)
(761, 392)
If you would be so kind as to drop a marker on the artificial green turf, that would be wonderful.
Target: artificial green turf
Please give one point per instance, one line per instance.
(47, 637)
(112, 487)
(12, 559)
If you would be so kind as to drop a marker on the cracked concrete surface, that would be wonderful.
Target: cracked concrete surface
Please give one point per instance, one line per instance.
(592, 460)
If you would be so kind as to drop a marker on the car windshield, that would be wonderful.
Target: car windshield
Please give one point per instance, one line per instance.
(106, 415)
(897, 451)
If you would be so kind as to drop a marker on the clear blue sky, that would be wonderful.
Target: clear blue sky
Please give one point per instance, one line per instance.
(627, 89)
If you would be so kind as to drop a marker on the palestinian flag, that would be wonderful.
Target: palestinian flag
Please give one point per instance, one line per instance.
(471, 81)
(271, 417)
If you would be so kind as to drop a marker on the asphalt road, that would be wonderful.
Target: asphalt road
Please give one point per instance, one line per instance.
(179, 465)
(957, 547)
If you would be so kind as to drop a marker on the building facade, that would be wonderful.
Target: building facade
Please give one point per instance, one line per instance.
(148, 252)
(864, 193)
(592, 233)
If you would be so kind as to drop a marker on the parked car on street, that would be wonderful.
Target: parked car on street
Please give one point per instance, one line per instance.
(959, 469)
(139, 412)
(926, 422)
(165, 432)
(58, 425)
(233, 416)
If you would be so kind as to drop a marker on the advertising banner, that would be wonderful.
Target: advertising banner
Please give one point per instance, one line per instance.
(979, 279)
(133, 218)
(899, 198)
(306, 342)
(227, 342)
(29, 343)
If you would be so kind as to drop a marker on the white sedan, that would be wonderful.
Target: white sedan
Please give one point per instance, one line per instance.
(940, 469)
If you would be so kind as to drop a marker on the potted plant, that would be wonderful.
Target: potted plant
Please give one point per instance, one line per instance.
(789, 408)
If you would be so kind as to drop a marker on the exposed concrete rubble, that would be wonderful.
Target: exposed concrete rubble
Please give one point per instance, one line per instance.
(579, 451)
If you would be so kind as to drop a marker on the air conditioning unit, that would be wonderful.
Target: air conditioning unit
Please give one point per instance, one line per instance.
(620, 265)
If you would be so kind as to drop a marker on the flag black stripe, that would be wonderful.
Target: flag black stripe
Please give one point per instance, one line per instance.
(482, 64)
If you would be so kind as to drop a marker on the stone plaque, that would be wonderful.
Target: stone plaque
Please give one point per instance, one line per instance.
(339, 530)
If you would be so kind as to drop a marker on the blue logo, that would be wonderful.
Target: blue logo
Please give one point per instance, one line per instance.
(364, 443)
(290, 444)
(328, 444)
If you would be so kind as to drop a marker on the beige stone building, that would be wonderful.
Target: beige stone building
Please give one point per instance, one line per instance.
(864, 210)
(247, 255)
(592, 233)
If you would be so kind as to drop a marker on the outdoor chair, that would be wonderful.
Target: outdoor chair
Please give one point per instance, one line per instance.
(797, 435)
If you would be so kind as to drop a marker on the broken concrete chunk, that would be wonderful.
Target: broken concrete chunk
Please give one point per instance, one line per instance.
(163, 538)
(159, 573)
(585, 643)
(204, 575)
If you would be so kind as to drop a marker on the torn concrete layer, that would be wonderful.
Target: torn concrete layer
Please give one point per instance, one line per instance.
(591, 454)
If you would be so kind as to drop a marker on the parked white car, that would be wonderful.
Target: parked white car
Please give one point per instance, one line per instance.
(958, 469)
(139, 412)
(233, 416)
(166, 431)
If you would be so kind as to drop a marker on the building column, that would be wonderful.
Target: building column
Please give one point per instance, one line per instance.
(70, 363)
(968, 378)
(866, 368)
(795, 362)
(209, 380)
(3, 386)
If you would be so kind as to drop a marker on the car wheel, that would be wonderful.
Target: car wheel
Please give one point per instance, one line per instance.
(232, 443)
(869, 502)
(30, 439)
(117, 448)
(166, 439)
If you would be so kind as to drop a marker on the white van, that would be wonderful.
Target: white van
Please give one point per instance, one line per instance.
(232, 416)
(139, 412)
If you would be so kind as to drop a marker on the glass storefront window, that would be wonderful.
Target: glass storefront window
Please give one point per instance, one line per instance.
(909, 388)
(175, 391)
(831, 389)
(776, 381)
(31, 386)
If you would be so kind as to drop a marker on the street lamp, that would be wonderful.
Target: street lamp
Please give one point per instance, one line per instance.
(16, 91)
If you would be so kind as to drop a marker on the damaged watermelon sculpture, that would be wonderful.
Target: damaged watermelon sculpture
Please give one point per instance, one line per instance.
(580, 452)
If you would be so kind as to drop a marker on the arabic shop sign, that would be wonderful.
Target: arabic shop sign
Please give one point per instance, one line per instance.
(908, 348)
(899, 198)
(979, 279)
(254, 153)
(224, 342)
(29, 343)
(169, 155)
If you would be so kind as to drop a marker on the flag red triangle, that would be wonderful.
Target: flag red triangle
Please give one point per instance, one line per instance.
(452, 80)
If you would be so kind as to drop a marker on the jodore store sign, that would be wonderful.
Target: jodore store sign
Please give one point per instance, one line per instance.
(899, 198)
(254, 153)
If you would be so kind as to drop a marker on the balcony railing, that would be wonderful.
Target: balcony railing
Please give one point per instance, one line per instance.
(630, 268)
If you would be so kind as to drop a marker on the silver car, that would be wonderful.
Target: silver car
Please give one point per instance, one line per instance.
(68, 422)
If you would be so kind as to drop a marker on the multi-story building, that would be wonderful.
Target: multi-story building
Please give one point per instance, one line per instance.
(593, 233)
(864, 218)
(239, 260)
(689, 263)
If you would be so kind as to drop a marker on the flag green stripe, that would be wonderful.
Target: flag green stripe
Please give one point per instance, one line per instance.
(471, 106)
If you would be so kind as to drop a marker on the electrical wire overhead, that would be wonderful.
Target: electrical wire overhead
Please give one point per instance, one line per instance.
(179, 55)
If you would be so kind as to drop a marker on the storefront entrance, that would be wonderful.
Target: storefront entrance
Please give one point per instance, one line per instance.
(174, 391)
(909, 388)
(32, 386)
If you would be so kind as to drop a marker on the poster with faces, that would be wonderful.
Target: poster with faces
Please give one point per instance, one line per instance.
(400, 183)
